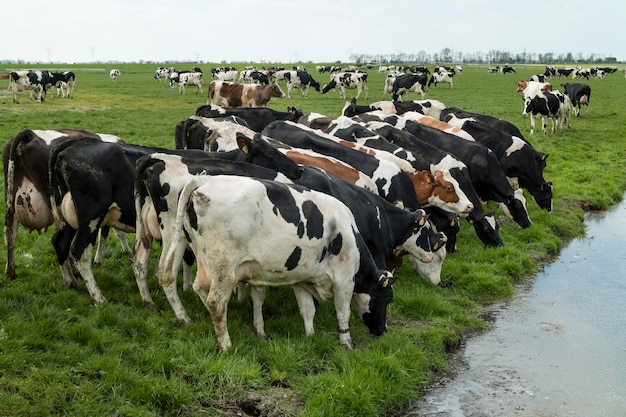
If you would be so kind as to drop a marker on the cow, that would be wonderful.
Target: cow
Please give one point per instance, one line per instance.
(225, 75)
(551, 104)
(158, 182)
(441, 77)
(187, 78)
(228, 94)
(538, 78)
(409, 82)
(66, 84)
(314, 245)
(257, 118)
(26, 191)
(300, 79)
(564, 72)
(32, 80)
(484, 224)
(392, 183)
(162, 73)
(579, 95)
(579, 72)
(485, 171)
(343, 80)
(253, 76)
(493, 70)
(530, 89)
(491, 121)
(507, 69)
(429, 107)
(521, 163)
(113, 74)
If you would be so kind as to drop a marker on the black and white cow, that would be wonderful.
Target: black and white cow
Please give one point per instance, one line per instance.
(484, 223)
(441, 77)
(552, 105)
(257, 118)
(344, 80)
(580, 95)
(26, 185)
(158, 182)
(300, 224)
(186, 78)
(302, 80)
(521, 163)
(392, 183)
(32, 80)
(66, 83)
(114, 74)
(409, 82)
(507, 69)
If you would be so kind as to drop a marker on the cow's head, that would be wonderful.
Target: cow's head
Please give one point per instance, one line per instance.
(275, 91)
(332, 84)
(486, 229)
(372, 304)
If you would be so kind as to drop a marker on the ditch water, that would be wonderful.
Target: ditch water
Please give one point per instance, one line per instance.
(558, 348)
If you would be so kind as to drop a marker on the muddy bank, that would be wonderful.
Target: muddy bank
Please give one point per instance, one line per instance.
(558, 348)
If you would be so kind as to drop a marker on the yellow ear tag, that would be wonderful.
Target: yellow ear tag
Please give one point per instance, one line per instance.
(386, 283)
(245, 149)
(452, 223)
(436, 246)
(471, 222)
(421, 223)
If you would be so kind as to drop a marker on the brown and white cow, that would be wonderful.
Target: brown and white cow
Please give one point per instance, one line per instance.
(229, 94)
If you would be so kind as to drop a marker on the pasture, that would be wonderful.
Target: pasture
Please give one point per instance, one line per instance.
(62, 355)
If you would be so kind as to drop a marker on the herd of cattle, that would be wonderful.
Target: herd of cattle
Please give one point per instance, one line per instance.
(329, 205)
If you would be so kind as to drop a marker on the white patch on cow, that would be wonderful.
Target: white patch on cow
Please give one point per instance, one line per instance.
(517, 145)
(463, 207)
(430, 271)
(49, 135)
(107, 137)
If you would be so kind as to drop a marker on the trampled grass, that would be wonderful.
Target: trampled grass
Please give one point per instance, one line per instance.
(62, 355)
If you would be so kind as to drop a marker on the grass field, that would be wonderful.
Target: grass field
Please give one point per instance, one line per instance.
(62, 355)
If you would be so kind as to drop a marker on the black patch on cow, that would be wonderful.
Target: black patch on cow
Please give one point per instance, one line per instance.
(333, 248)
(193, 217)
(314, 220)
(294, 258)
(284, 204)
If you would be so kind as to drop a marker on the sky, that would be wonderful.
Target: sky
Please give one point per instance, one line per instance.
(71, 31)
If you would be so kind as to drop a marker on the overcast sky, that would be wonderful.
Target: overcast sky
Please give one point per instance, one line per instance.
(312, 30)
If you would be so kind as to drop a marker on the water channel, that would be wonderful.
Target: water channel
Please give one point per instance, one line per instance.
(558, 349)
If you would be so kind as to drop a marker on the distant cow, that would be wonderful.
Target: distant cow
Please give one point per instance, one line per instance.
(531, 88)
(114, 73)
(507, 69)
(442, 77)
(343, 80)
(551, 104)
(579, 94)
(187, 78)
(27, 80)
(300, 79)
(409, 82)
(229, 94)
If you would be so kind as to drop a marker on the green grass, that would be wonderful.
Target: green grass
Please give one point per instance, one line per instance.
(62, 355)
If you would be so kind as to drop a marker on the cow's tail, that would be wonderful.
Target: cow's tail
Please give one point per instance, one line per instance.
(169, 262)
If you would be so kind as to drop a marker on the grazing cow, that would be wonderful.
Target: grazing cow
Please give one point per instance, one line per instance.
(66, 84)
(493, 70)
(409, 82)
(507, 69)
(531, 88)
(521, 163)
(579, 72)
(441, 77)
(579, 95)
(28, 80)
(392, 183)
(187, 78)
(486, 173)
(257, 118)
(441, 189)
(314, 246)
(551, 104)
(225, 75)
(564, 72)
(26, 191)
(343, 80)
(158, 182)
(538, 78)
(484, 223)
(494, 122)
(300, 79)
(114, 73)
(227, 94)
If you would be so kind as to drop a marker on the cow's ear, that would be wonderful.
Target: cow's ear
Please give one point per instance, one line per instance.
(544, 156)
(243, 142)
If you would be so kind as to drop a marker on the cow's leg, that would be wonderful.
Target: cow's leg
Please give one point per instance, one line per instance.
(532, 124)
(101, 246)
(217, 303)
(258, 297)
(62, 241)
(83, 265)
(544, 125)
(366, 91)
(10, 236)
(140, 261)
(188, 261)
(343, 294)
(289, 88)
(306, 307)
(167, 271)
